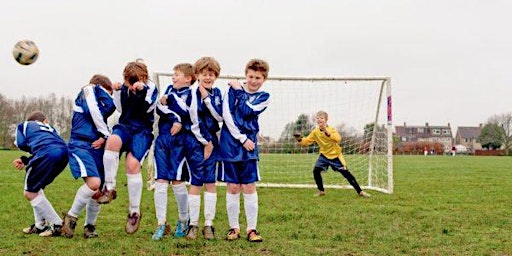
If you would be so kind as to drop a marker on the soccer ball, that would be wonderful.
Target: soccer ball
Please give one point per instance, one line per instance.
(25, 52)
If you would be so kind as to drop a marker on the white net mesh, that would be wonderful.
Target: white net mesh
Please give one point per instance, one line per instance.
(359, 108)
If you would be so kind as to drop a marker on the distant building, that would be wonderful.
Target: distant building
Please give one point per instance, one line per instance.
(468, 136)
(427, 133)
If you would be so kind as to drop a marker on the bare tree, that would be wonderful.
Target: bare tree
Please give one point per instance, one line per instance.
(6, 112)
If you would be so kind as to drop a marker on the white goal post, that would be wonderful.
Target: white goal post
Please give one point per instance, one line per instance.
(358, 107)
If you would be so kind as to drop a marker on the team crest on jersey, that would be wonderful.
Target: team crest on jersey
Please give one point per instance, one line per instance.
(184, 97)
(216, 101)
(252, 99)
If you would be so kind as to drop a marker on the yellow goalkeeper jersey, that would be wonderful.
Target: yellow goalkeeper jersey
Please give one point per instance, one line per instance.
(329, 146)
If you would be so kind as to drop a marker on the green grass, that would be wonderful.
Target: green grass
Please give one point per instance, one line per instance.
(441, 206)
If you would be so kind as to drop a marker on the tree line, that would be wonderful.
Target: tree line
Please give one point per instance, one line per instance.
(495, 134)
(58, 110)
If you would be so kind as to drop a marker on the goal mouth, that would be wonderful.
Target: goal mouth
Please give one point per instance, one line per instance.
(358, 108)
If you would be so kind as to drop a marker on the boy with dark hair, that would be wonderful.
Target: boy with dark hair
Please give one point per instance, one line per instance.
(136, 100)
(89, 132)
(49, 157)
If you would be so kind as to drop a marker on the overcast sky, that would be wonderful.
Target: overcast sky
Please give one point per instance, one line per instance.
(450, 61)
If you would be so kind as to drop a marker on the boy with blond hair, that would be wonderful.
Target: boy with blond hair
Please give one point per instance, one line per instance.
(205, 114)
(328, 140)
(242, 105)
(136, 100)
(169, 152)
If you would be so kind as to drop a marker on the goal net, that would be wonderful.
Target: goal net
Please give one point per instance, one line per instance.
(358, 108)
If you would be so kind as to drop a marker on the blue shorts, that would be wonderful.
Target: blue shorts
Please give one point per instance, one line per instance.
(84, 160)
(194, 153)
(211, 168)
(324, 163)
(134, 141)
(44, 167)
(243, 172)
(206, 173)
(170, 161)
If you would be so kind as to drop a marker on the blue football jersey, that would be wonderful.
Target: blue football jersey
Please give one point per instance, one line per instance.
(33, 136)
(178, 101)
(92, 107)
(166, 116)
(137, 108)
(240, 111)
(206, 115)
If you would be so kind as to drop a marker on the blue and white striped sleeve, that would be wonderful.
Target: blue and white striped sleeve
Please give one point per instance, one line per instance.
(97, 117)
(228, 104)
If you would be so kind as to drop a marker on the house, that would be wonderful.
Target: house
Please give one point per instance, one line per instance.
(468, 136)
(434, 134)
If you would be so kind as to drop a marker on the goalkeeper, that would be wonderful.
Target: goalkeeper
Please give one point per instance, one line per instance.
(328, 140)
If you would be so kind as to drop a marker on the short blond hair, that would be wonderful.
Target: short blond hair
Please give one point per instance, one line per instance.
(259, 66)
(207, 63)
(186, 69)
(323, 114)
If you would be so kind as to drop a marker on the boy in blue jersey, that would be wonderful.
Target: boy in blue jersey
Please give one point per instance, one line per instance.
(49, 157)
(205, 114)
(169, 154)
(89, 132)
(136, 100)
(241, 107)
(328, 140)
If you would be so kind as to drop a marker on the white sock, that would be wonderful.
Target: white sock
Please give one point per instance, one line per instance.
(161, 201)
(233, 209)
(44, 206)
(251, 210)
(181, 195)
(210, 204)
(82, 197)
(111, 163)
(134, 191)
(39, 220)
(194, 206)
(92, 211)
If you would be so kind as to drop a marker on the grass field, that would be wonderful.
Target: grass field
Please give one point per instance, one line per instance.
(441, 206)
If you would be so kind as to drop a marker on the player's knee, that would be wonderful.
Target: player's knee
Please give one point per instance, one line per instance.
(93, 183)
(132, 165)
(176, 182)
(114, 143)
(249, 188)
(29, 195)
(233, 188)
(210, 187)
(343, 170)
(317, 170)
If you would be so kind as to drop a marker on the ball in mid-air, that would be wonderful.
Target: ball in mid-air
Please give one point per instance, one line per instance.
(25, 52)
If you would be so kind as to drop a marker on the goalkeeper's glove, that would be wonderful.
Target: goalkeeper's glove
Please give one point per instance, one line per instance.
(298, 137)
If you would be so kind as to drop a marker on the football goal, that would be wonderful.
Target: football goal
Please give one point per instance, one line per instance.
(359, 109)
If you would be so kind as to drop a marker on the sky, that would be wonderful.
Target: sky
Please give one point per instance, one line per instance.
(449, 61)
